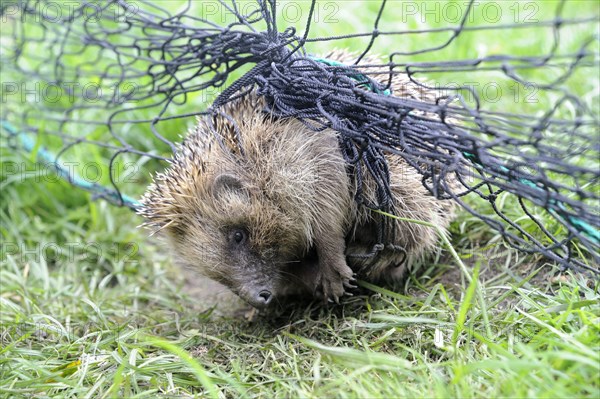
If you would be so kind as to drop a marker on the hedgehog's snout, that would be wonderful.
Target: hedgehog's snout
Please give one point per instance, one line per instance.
(264, 297)
(259, 298)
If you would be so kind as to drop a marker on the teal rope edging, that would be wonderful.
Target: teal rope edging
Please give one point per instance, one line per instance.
(582, 226)
(44, 156)
(358, 76)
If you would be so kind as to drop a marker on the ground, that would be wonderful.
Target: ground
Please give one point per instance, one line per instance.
(123, 321)
(92, 307)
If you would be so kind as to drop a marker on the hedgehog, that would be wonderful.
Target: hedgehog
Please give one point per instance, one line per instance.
(266, 206)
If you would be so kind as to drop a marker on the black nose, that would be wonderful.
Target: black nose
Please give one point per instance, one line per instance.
(264, 297)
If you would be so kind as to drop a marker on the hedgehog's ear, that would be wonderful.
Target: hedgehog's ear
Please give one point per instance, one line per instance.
(226, 182)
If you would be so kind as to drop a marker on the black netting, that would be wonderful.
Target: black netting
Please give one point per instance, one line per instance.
(119, 82)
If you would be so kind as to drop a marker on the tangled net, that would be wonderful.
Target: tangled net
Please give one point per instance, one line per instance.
(117, 78)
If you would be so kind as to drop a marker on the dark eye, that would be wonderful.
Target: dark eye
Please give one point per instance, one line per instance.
(238, 236)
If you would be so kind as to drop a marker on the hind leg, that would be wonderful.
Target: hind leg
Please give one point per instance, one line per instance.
(412, 201)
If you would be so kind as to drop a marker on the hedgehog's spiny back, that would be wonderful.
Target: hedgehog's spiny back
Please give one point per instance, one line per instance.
(286, 167)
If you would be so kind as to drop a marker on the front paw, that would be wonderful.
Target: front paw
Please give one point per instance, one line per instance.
(332, 282)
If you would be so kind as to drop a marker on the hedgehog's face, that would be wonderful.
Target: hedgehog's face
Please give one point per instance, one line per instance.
(245, 242)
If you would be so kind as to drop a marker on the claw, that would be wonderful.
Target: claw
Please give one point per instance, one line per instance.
(332, 284)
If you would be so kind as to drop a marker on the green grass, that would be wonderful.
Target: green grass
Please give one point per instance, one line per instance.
(90, 307)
